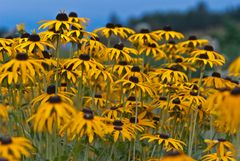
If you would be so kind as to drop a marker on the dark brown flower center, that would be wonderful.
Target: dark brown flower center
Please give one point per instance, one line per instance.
(22, 56)
(162, 98)
(167, 28)
(203, 56)
(134, 79)
(54, 99)
(119, 46)
(117, 123)
(5, 140)
(172, 42)
(62, 17)
(25, 35)
(51, 89)
(131, 98)
(98, 96)
(178, 60)
(132, 119)
(122, 63)
(34, 37)
(144, 31)
(110, 25)
(192, 37)
(152, 45)
(118, 25)
(236, 91)
(221, 139)
(176, 101)
(87, 110)
(156, 118)
(88, 116)
(84, 57)
(135, 69)
(208, 48)
(164, 136)
(72, 14)
(216, 74)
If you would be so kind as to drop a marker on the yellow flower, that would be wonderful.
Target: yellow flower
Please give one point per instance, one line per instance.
(167, 33)
(215, 81)
(73, 17)
(193, 41)
(174, 156)
(93, 46)
(15, 147)
(51, 91)
(120, 52)
(152, 48)
(122, 68)
(234, 68)
(228, 156)
(114, 29)
(222, 146)
(164, 140)
(144, 37)
(114, 112)
(121, 131)
(35, 45)
(85, 124)
(206, 56)
(4, 112)
(23, 65)
(60, 24)
(54, 112)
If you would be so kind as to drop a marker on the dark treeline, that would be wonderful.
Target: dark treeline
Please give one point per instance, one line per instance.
(198, 18)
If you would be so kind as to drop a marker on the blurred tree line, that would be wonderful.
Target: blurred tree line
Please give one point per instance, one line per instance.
(223, 26)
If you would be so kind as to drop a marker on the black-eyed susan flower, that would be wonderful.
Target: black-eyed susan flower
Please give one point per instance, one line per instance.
(76, 34)
(113, 29)
(51, 91)
(167, 33)
(85, 123)
(228, 156)
(137, 72)
(222, 146)
(144, 37)
(73, 17)
(134, 84)
(152, 48)
(35, 45)
(114, 112)
(60, 24)
(121, 131)
(55, 112)
(100, 74)
(215, 81)
(180, 65)
(174, 156)
(193, 41)
(120, 52)
(206, 56)
(169, 75)
(234, 68)
(121, 68)
(83, 62)
(96, 101)
(15, 147)
(165, 140)
(93, 46)
(24, 65)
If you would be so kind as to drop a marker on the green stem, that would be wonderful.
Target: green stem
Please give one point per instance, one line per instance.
(57, 59)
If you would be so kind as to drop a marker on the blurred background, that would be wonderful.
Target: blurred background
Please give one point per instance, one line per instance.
(216, 20)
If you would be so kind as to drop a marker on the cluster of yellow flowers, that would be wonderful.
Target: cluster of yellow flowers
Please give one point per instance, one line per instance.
(68, 94)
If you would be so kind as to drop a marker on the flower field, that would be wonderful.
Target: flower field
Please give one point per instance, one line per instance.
(115, 94)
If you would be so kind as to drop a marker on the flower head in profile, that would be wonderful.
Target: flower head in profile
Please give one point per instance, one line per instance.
(85, 123)
(167, 33)
(174, 156)
(15, 147)
(55, 112)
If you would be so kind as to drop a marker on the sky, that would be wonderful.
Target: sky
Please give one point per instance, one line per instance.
(29, 12)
